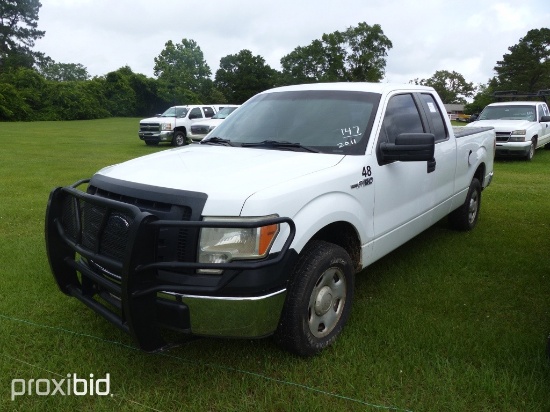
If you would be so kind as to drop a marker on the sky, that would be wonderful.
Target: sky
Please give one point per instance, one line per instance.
(466, 36)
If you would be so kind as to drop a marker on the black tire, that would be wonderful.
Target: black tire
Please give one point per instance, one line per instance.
(151, 143)
(547, 146)
(465, 217)
(318, 301)
(531, 152)
(179, 139)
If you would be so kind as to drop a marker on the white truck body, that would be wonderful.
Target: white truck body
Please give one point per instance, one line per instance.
(355, 187)
(521, 126)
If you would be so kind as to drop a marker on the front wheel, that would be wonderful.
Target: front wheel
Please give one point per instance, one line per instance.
(465, 217)
(531, 153)
(179, 138)
(318, 300)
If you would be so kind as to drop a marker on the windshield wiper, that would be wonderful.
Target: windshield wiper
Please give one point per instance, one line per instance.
(217, 140)
(278, 144)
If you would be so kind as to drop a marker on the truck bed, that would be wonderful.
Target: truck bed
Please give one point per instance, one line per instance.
(461, 131)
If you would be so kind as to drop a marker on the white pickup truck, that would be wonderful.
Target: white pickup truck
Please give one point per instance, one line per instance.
(261, 227)
(521, 126)
(174, 125)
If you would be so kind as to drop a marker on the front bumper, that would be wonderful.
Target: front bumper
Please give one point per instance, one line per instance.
(141, 294)
(513, 149)
(157, 137)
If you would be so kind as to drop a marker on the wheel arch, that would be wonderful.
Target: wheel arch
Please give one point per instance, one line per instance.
(348, 225)
(345, 235)
(479, 174)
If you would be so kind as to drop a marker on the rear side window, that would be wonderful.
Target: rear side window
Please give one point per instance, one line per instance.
(401, 116)
(435, 116)
(208, 111)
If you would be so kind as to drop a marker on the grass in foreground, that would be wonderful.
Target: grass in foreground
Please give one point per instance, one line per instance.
(448, 322)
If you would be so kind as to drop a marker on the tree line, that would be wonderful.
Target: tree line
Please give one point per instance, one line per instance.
(34, 87)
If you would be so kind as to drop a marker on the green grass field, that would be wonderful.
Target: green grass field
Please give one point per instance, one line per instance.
(450, 321)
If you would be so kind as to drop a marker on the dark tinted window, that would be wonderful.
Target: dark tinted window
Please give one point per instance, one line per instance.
(401, 117)
(195, 113)
(208, 111)
(436, 117)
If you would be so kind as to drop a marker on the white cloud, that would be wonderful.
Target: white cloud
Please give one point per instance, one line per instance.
(468, 37)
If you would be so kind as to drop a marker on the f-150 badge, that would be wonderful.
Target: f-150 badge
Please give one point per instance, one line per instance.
(363, 183)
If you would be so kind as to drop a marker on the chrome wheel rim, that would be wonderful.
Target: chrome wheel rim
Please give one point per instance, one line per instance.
(472, 209)
(326, 303)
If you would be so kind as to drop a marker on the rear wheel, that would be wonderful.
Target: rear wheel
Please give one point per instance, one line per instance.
(318, 300)
(465, 217)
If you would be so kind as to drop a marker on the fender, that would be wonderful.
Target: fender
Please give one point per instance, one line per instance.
(320, 212)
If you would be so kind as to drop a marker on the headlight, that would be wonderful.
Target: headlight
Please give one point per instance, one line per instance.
(222, 245)
(517, 136)
(166, 126)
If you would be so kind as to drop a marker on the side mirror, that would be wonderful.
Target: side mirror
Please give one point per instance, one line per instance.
(545, 119)
(409, 147)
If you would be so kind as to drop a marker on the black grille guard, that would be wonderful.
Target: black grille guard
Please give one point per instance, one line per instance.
(68, 251)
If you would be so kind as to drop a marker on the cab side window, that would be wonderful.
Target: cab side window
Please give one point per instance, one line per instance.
(401, 116)
(543, 110)
(435, 116)
(195, 113)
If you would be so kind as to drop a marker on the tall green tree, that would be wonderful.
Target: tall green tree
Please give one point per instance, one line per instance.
(356, 54)
(451, 86)
(483, 97)
(243, 75)
(18, 33)
(181, 69)
(22, 93)
(527, 67)
(62, 72)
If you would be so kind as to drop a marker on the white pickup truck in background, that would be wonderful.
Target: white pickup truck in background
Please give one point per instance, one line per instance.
(521, 126)
(260, 229)
(174, 125)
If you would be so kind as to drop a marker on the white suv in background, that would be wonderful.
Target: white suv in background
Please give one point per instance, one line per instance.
(201, 129)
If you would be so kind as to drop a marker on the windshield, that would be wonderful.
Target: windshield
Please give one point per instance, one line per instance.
(328, 121)
(512, 112)
(175, 112)
(223, 113)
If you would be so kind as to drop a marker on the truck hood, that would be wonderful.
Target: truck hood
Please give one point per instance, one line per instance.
(502, 125)
(228, 175)
(157, 120)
